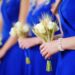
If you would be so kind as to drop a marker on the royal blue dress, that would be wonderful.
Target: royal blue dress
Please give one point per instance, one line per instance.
(13, 63)
(67, 58)
(38, 63)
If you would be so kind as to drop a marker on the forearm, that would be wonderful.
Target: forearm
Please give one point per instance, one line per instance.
(33, 41)
(57, 2)
(24, 8)
(10, 42)
(57, 16)
(36, 41)
(68, 43)
(56, 6)
(1, 23)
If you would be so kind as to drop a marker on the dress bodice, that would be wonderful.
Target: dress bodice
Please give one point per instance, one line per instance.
(10, 11)
(67, 16)
(36, 13)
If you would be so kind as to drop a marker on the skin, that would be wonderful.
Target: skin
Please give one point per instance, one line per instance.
(29, 42)
(54, 9)
(55, 6)
(24, 8)
(1, 21)
(40, 2)
(50, 48)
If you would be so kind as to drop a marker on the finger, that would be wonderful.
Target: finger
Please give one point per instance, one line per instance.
(22, 45)
(27, 45)
(19, 41)
(44, 53)
(19, 45)
(43, 50)
(47, 56)
(42, 46)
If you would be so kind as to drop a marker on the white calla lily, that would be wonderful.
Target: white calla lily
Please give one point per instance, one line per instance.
(26, 28)
(40, 28)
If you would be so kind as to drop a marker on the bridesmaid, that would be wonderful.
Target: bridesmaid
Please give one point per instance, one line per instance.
(11, 56)
(38, 63)
(66, 44)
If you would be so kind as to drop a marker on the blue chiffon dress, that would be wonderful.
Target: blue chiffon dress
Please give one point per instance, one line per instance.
(67, 58)
(13, 63)
(38, 63)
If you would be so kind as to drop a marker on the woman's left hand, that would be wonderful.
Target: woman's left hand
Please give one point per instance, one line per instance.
(48, 49)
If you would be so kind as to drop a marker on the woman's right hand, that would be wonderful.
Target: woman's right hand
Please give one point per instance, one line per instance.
(29, 42)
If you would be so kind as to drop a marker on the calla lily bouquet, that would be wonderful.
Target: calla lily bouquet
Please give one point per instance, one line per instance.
(20, 30)
(46, 30)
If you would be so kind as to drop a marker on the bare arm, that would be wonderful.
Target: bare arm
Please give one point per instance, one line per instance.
(68, 43)
(55, 6)
(24, 6)
(1, 21)
(29, 42)
(50, 48)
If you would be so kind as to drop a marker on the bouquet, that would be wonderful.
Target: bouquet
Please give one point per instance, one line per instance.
(21, 31)
(0, 1)
(46, 30)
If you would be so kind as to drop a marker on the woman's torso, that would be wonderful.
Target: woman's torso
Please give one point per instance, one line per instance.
(37, 13)
(67, 16)
(10, 12)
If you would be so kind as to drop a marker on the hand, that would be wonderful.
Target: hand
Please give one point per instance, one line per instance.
(48, 49)
(28, 42)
